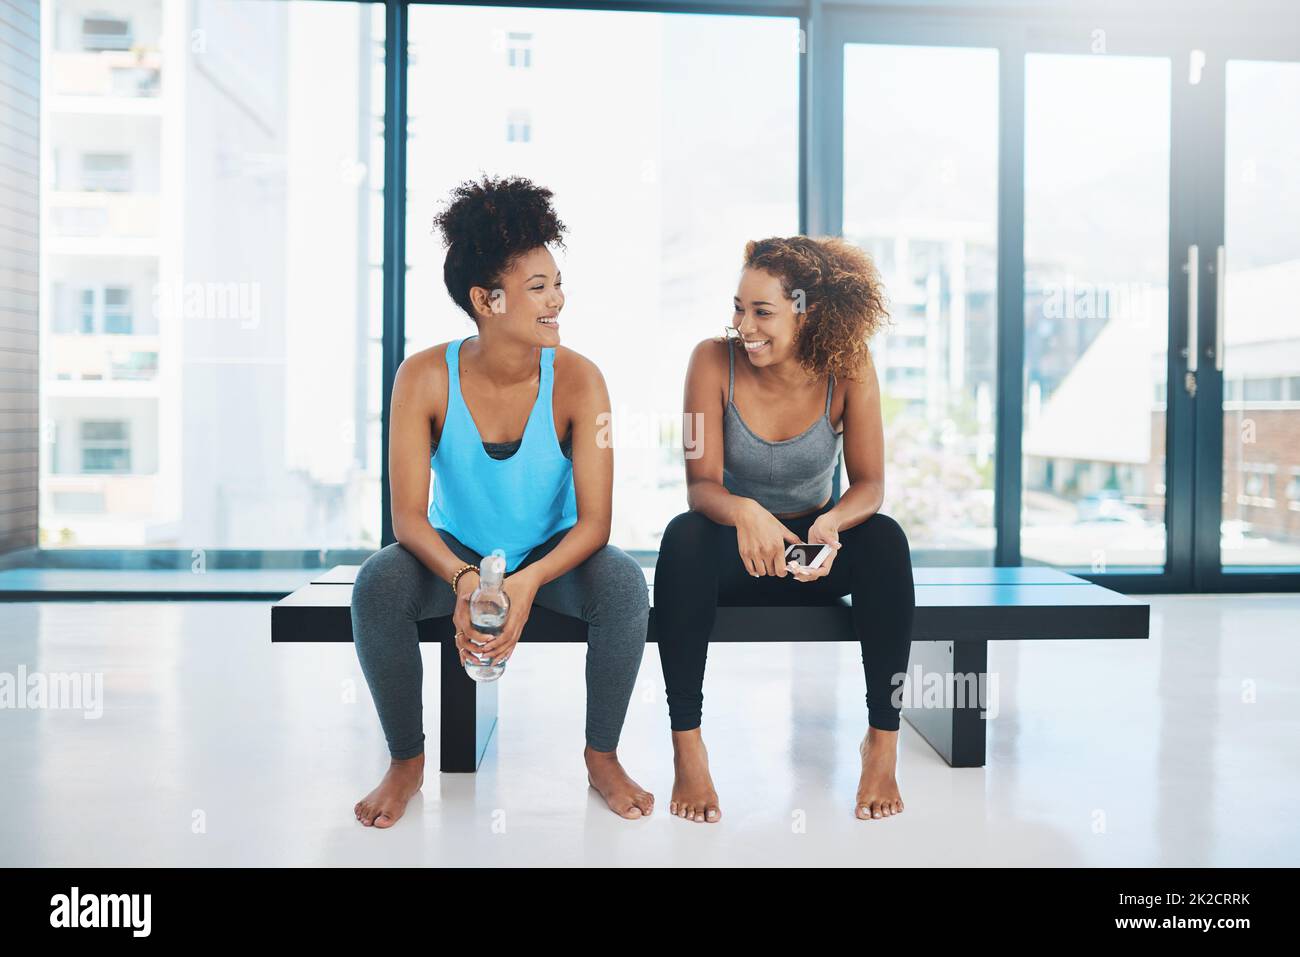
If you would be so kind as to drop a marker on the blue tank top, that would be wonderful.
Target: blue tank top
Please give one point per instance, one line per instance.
(515, 503)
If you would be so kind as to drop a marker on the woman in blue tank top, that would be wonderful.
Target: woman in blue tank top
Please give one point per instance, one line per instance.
(508, 421)
(760, 479)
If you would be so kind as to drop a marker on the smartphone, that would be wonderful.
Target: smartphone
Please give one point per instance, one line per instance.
(806, 555)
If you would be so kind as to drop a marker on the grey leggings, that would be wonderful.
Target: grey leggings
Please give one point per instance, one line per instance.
(394, 590)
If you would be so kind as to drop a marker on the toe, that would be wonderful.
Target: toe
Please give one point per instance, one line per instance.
(712, 813)
(646, 802)
(631, 812)
(383, 820)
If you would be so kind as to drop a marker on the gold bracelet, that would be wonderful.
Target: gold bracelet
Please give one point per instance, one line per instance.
(455, 579)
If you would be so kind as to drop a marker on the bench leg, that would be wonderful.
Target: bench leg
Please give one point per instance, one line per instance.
(957, 733)
(468, 708)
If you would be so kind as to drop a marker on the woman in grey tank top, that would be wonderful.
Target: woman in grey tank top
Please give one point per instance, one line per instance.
(759, 478)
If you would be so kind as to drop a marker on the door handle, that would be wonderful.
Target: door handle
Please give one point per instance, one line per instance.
(1192, 268)
(1220, 305)
(1193, 302)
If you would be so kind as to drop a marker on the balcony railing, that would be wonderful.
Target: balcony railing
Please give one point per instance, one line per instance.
(106, 215)
(121, 73)
(103, 358)
(70, 496)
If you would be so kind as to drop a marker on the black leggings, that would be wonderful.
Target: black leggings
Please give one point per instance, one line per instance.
(700, 568)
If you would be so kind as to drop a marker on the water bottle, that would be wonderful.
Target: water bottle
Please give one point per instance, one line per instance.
(488, 607)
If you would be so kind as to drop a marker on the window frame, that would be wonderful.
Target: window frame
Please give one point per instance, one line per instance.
(820, 142)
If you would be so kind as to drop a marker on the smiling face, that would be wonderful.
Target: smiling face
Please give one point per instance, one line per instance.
(765, 318)
(526, 306)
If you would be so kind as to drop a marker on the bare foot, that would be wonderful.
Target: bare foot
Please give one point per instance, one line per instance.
(878, 795)
(624, 796)
(386, 803)
(693, 796)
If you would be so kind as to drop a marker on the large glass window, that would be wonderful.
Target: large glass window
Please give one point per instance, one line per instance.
(211, 261)
(212, 209)
(920, 195)
(1096, 301)
(669, 141)
(1261, 320)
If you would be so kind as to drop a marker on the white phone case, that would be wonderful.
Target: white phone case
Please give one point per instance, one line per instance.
(817, 559)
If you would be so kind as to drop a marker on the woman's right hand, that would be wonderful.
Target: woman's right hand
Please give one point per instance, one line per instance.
(460, 618)
(762, 539)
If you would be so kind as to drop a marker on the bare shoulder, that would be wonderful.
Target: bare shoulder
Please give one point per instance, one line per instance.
(862, 387)
(709, 359)
(575, 372)
(862, 380)
(707, 371)
(427, 360)
(422, 376)
(710, 352)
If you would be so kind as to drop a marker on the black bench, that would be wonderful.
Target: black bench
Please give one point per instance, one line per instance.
(958, 612)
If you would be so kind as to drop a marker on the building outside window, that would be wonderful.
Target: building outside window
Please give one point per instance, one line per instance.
(519, 50)
(105, 32)
(105, 447)
(106, 172)
(519, 127)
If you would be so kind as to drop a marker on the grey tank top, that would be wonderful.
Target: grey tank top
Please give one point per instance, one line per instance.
(792, 475)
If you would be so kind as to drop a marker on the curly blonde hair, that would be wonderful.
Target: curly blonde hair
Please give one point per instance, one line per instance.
(844, 298)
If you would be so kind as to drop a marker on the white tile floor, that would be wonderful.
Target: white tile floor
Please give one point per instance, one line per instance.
(217, 748)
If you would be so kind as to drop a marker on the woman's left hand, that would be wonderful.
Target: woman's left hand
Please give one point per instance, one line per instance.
(521, 588)
(824, 531)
